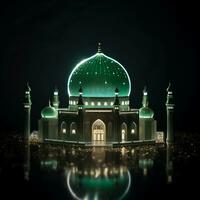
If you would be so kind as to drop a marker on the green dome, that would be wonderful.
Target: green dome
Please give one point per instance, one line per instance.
(146, 112)
(99, 76)
(49, 112)
(99, 187)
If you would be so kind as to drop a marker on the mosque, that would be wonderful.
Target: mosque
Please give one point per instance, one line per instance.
(99, 112)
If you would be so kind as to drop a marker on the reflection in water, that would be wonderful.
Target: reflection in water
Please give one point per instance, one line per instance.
(27, 161)
(104, 173)
(98, 179)
(169, 163)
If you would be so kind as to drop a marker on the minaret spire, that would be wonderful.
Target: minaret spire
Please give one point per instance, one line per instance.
(145, 101)
(80, 99)
(170, 110)
(116, 102)
(55, 98)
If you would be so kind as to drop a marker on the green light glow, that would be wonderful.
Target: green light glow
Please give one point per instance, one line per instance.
(99, 76)
(49, 112)
(146, 112)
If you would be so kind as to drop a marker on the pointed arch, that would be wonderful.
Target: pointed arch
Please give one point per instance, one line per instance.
(63, 127)
(99, 131)
(133, 128)
(73, 128)
(123, 132)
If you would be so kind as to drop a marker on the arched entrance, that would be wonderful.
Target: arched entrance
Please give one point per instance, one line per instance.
(124, 132)
(98, 131)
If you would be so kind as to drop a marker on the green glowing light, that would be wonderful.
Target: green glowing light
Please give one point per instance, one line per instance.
(146, 112)
(99, 76)
(49, 112)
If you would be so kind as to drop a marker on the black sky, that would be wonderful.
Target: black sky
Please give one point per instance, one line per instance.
(156, 41)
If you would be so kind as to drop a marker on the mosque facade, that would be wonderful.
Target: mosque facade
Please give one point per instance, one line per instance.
(98, 111)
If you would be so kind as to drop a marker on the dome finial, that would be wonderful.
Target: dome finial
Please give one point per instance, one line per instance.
(169, 88)
(99, 47)
(28, 87)
(49, 103)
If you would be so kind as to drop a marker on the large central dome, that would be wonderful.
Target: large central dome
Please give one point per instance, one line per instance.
(99, 76)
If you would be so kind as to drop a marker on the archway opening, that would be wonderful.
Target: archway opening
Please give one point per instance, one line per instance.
(123, 132)
(98, 132)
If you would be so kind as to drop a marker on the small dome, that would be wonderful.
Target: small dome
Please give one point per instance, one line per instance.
(49, 112)
(99, 76)
(146, 112)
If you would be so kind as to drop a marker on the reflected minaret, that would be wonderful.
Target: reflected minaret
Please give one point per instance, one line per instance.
(27, 110)
(169, 163)
(170, 111)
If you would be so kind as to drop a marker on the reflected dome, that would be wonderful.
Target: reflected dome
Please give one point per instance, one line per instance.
(92, 186)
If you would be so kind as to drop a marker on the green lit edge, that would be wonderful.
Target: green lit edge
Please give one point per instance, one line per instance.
(124, 70)
(49, 117)
(77, 198)
(85, 60)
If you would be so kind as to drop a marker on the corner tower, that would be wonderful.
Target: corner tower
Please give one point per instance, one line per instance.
(170, 112)
(147, 123)
(27, 109)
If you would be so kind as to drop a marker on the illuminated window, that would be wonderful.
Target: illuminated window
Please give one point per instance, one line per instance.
(64, 130)
(122, 103)
(73, 128)
(74, 102)
(133, 128)
(86, 103)
(99, 103)
(105, 103)
(63, 127)
(111, 103)
(92, 103)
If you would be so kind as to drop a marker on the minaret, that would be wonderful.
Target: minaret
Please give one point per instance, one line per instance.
(27, 109)
(80, 105)
(145, 101)
(170, 110)
(116, 102)
(55, 99)
(80, 99)
(116, 117)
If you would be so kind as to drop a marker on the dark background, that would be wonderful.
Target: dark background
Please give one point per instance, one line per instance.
(156, 41)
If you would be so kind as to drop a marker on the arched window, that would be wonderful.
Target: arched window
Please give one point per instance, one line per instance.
(124, 132)
(63, 127)
(133, 128)
(73, 128)
(99, 131)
